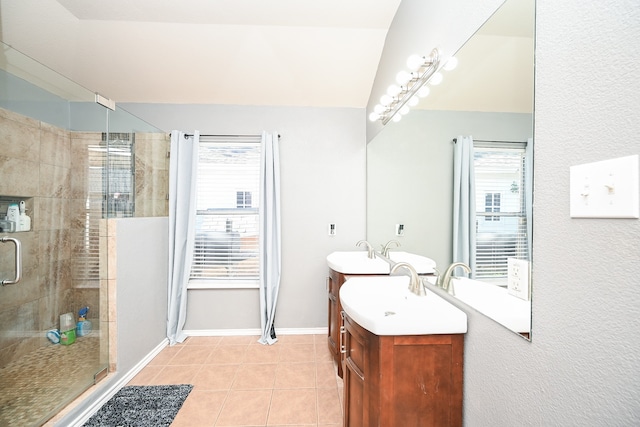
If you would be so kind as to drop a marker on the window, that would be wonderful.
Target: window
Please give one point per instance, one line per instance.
(110, 194)
(501, 228)
(243, 199)
(227, 212)
(492, 204)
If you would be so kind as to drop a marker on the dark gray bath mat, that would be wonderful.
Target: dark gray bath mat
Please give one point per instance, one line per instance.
(141, 406)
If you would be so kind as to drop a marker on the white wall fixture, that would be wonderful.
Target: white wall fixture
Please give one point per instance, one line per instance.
(606, 189)
(105, 102)
(399, 229)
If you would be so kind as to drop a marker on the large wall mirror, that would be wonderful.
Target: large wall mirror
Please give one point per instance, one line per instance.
(489, 96)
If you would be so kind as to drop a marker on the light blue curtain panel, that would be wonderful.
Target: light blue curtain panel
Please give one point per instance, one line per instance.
(270, 253)
(528, 178)
(183, 166)
(464, 203)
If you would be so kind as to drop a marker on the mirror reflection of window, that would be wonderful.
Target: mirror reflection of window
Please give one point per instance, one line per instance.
(501, 220)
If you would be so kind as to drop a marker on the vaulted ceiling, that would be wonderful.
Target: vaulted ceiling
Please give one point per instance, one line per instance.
(240, 52)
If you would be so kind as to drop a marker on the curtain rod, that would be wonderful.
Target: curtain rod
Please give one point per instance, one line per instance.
(187, 135)
(455, 140)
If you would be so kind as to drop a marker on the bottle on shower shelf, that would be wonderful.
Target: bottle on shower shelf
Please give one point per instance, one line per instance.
(84, 326)
(24, 221)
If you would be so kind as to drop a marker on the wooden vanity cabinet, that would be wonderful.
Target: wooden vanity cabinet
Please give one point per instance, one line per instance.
(335, 308)
(336, 280)
(401, 381)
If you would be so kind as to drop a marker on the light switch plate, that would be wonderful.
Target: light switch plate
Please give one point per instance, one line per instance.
(518, 278)
(606, 189)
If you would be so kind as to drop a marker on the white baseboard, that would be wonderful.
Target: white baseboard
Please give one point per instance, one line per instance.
(117, 385)
(242, 332)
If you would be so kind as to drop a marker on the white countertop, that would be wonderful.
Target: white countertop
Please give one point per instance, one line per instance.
(383, 305)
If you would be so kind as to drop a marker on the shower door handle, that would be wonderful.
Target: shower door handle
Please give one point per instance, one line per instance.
(18, 260)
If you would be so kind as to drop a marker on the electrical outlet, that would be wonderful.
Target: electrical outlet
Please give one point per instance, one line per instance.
(332, 229)
(399, 229)
(518, 278)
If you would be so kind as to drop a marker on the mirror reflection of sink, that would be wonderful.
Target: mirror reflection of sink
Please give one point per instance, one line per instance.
(384, 306)
(421, 264)
(356, 262)
(493, 301)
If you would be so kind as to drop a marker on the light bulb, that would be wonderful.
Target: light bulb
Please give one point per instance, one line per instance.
(415, 62)
(403, 77)
(423, 91)
(413, 101)
(374, 116)
(393, 90)
(379, 109)
(397, 118)
(451, 63)
(404, 110)
(436, 79)
(385, 100)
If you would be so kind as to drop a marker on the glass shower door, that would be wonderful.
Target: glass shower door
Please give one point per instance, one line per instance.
(45, 136)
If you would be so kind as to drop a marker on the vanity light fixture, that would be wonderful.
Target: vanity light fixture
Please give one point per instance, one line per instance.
(410, 87)
(398, 98)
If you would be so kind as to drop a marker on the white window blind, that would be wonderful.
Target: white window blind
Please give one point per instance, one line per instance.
(501, 228)
(227, 204)
(110, 194)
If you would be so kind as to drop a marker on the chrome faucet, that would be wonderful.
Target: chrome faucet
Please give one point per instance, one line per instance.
(370, 252)
(415, 284)
(387, 246)
(445, 282)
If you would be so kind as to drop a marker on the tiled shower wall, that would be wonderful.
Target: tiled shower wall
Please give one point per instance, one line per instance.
(48, 167)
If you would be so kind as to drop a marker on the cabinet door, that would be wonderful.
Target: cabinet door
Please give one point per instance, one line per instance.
(335, 281)
(334, 314)
(356, 396)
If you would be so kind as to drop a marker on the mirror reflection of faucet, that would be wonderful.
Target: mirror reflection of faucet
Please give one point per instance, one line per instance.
(387, 246)
(445, 283)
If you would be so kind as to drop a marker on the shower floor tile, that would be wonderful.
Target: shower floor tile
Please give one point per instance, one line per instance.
(37, 386)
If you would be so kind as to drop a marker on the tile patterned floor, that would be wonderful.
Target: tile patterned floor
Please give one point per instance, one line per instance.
(239, 382)
(41, 383)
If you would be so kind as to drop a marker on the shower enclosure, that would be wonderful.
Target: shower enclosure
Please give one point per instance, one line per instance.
(74, 164)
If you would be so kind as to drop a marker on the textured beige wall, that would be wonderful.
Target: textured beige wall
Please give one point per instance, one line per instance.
(35, 165)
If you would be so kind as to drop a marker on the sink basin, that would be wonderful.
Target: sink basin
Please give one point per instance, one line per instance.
(384, 306)
(422, 264)
(356, 262)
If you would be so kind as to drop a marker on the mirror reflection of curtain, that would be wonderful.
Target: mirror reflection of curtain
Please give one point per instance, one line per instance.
(464, 203)
(270, 253)
(183, 166)
(528, 177)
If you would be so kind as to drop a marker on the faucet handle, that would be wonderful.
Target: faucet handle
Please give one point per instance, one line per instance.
(438, 277)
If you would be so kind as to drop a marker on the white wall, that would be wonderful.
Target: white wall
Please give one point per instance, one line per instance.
(323, 180)
(582, 366)
(142, 250)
